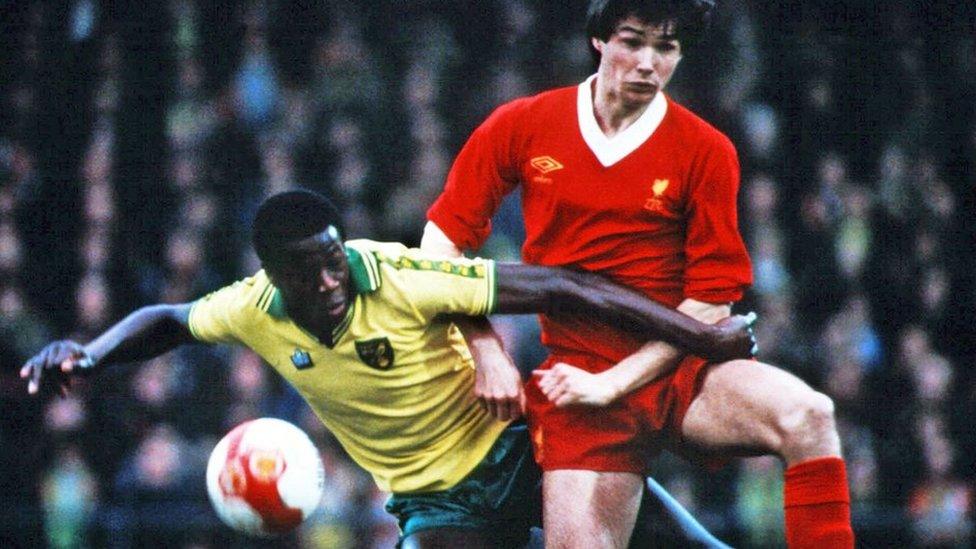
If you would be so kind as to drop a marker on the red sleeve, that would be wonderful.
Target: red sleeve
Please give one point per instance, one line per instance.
(484, 172)
(717, 268)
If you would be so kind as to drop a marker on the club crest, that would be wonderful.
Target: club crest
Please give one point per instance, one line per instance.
(376, 353)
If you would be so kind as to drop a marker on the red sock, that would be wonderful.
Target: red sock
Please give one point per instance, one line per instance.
(817, 504)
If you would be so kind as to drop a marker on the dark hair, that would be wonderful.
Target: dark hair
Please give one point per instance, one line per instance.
(289, 216)
(690, 17)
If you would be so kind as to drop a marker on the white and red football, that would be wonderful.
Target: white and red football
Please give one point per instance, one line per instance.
(265, 477)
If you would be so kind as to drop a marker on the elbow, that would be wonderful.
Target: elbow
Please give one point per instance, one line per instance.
(435, 241)
(161, 312)
(168, 319)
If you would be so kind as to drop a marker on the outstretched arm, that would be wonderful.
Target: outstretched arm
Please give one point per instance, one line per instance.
(146, 333)
(566, 385)
(556, 292)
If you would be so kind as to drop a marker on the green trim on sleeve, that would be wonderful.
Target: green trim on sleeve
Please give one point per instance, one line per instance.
(492, 277)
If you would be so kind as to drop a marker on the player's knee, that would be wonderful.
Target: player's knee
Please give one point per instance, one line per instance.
(808, 428)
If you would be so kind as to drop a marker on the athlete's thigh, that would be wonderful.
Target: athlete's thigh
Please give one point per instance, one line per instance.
(740, 407)
(589, 508)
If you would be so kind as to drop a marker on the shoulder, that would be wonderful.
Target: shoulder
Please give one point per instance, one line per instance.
(393, 261)
(250, 292)
(556, 99)
(233, 308)
(692, 128)
(366, 260)
(395, 256)
(367, 246)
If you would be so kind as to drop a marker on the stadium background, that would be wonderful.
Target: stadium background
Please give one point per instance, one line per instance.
(136, 139)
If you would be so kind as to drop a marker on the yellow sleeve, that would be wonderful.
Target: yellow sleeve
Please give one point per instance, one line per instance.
(437, 285)
(220, 316)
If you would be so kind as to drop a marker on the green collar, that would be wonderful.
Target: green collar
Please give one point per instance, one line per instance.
(277, 306)
(363, 270)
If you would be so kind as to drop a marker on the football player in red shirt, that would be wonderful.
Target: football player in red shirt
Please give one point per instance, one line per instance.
(618, 178)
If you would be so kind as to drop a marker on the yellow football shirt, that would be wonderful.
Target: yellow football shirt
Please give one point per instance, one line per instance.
(396, 389)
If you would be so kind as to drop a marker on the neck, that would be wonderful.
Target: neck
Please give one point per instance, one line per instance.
(612, 114)
(319, 326)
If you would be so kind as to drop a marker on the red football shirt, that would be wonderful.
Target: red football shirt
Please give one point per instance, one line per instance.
(654, 208)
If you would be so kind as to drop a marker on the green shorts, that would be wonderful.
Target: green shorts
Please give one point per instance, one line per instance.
(501, 496)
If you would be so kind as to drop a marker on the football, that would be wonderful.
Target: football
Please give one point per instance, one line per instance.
(265, 477)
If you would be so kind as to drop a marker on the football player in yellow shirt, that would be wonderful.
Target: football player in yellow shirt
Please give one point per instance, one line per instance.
(363, 331)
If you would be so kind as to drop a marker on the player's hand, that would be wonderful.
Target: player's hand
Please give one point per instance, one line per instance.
(566, 385)
(734, 338)
(56, 363)
(498, 386)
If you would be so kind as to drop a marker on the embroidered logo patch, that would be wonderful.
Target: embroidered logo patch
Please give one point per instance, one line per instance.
(659, 186)
(377, 353)
(301, 359)
(545, 164)
(655, 204)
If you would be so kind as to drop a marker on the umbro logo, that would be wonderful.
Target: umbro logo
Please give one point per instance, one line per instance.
(545, 164)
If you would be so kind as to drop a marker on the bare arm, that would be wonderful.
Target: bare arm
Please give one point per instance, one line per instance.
(145, 333)
(565, 385)
(556, 292)
(498, 384)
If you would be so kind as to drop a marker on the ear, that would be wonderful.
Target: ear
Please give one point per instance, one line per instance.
(597, 44)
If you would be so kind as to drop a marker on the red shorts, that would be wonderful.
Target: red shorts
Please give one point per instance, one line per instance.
(622, 437)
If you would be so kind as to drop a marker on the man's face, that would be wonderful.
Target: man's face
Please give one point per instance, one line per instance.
(637, 60)
(313, 277)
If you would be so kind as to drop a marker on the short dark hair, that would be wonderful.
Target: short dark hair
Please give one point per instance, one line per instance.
(690, 17)
(290, 216)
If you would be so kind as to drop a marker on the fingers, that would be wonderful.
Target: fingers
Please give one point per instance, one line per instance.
(560, 396)
(508, 409)
(492, 406)
(504, 405)
(544, 380)
(34, 385)
(63, 357)
(31, 371)
(751, 318)
(563, 399)
(552, 384)
(73, 359)
(504, 409)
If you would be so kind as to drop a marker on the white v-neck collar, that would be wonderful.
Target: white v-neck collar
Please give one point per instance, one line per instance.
(609, 151)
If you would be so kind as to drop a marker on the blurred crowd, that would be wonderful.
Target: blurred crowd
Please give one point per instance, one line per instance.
(137, 138)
